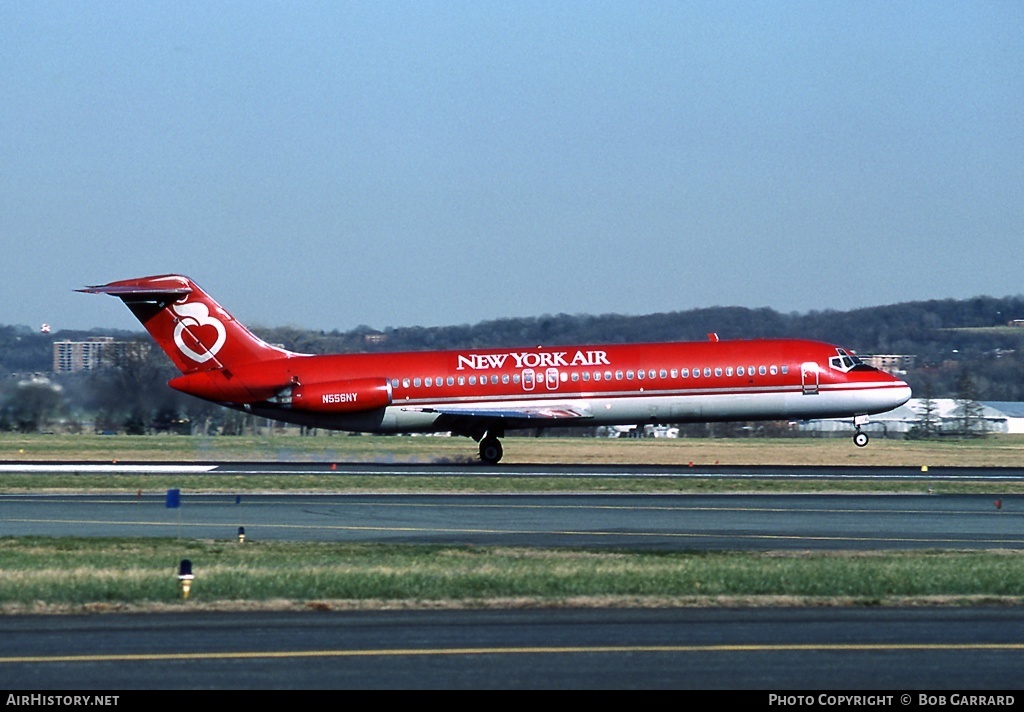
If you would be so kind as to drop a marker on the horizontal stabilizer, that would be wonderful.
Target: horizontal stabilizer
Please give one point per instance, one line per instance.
(131, 290)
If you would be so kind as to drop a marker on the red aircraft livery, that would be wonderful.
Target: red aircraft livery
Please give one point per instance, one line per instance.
(481, 393)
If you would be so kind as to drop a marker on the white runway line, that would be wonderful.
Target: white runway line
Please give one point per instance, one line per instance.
(111, 468)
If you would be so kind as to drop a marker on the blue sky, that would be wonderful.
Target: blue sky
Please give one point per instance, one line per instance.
(332, 164)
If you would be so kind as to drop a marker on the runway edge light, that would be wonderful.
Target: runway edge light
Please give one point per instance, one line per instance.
(185, 577)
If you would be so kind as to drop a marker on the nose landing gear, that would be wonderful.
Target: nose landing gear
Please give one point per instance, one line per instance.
(860, 439)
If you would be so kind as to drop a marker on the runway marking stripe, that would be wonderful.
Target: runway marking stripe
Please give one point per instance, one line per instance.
(988, 510)
(342, 469)
(113, 469)
(435, 530)
(539, 650)
(203, 499)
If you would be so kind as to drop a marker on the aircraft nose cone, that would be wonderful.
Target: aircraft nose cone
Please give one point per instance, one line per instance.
(901, 394)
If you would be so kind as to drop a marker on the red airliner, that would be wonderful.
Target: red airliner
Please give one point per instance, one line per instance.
(481, 393)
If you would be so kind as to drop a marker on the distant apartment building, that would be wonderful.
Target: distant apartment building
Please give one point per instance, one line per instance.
(890, 363)
(95, 352)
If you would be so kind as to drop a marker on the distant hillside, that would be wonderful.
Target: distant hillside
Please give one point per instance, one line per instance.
(929, 329)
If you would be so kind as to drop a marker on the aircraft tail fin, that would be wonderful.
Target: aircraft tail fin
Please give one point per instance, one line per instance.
(195, 331)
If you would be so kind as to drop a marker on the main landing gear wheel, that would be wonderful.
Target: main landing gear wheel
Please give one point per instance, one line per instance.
(490, 450)
(860, 439)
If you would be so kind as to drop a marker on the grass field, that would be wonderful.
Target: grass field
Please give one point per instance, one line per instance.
(65, 575)
(994, 451)
(61, 574)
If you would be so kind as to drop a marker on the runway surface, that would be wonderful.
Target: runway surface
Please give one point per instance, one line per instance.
(662, 522)
(647, 521)
(392, 469)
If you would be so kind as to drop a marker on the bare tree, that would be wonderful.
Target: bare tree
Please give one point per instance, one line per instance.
(132, 389)
(928, 423)
(33, 406)
(969, 411)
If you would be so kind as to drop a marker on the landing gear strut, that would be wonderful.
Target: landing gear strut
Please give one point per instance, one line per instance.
(490, 449)
(860, 439)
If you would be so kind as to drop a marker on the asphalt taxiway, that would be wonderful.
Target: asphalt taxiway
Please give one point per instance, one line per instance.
(895, 652)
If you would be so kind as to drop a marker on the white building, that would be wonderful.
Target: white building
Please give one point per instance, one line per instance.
(998, 417)
(95, 352)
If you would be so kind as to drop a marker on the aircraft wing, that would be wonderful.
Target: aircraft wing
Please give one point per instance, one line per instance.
(549, 411)
(473, 419)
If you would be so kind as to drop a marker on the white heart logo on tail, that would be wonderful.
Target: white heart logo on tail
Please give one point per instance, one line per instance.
(197, 315)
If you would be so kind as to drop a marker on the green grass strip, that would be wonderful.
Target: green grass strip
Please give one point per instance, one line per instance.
(158, 484)
(80, 572)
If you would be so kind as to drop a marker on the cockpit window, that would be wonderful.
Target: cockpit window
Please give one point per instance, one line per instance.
(845, 361)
